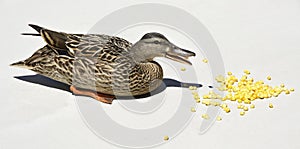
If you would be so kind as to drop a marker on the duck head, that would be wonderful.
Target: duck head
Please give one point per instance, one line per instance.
(154, 44)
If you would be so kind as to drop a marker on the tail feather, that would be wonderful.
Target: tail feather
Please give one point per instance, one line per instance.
(31, 34)
(43, 55)
(54, 39)
(21, 64)
(36, 27)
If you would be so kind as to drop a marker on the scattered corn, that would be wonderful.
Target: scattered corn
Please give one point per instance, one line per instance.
(205, 60)
(219, 118)
(247, 72)
(166, 138)
(193, 109)
(287, 92)
(183, 69)
(242, 113)
(269, 78)
(245, 108)
(206, 102)
(227, 110)
(252, 106)
(292, 89)
(271, 105)
(205, 116)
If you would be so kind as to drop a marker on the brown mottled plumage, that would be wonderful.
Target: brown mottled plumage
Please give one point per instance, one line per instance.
(105, 64)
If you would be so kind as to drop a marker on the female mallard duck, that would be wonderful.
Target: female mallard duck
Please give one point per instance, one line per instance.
(102, 66)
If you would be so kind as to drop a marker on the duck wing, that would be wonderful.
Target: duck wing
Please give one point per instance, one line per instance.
(84, 45)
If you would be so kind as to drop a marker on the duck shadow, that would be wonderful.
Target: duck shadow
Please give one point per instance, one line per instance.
(167, 82)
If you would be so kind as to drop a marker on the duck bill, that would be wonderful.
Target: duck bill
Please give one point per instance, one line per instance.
(180, 55)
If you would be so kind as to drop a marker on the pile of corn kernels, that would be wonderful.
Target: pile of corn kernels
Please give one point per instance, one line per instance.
(242, 91)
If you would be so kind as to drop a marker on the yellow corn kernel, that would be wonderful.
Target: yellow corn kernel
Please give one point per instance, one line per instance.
(229, 73)
(269, 78)
(292, 89)
(218, 104)
(205, 116)
(219, 118)
(205, 60)
(282, 85)
(227, 110)
(166, 138)
(193, 109)
(240, 106)
(247, 72)
(198, 100)
(287, 92)
(247, 101)
(271, 105)
(252, 106)
(251, 80)
(183, 69)
(245, 108)
(206, 96)
(223, 105)
(192, 87)
(242, 113)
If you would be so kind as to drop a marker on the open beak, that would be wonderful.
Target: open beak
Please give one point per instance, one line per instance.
(180, 55)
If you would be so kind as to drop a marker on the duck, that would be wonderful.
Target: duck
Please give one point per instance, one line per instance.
(102, 66)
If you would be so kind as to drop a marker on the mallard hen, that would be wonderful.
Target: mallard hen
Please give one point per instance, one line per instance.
(102, 66)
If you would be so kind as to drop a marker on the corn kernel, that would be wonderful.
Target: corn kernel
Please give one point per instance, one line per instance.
(183, 69)
(206, 102)
(271, 105)
(247, 72)
(242, 113)
(224, 105)
(205, 116)
(229, 73)
(269, 78)
(287, 92)
(166, 138)
(292, 89)
(193, 109)
(252, 106)
(240, 106)
(219, 118)
(206, 96)
(227, 110)
(245, 108)
(205, 60)
(192, 87)
(282, 85)
(198, 100)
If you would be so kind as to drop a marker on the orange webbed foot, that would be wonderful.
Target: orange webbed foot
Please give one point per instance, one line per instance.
(98, 96)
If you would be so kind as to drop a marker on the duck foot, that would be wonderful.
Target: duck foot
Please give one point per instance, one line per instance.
(98, 96)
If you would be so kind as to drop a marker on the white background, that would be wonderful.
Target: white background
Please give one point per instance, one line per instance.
(260, 35)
